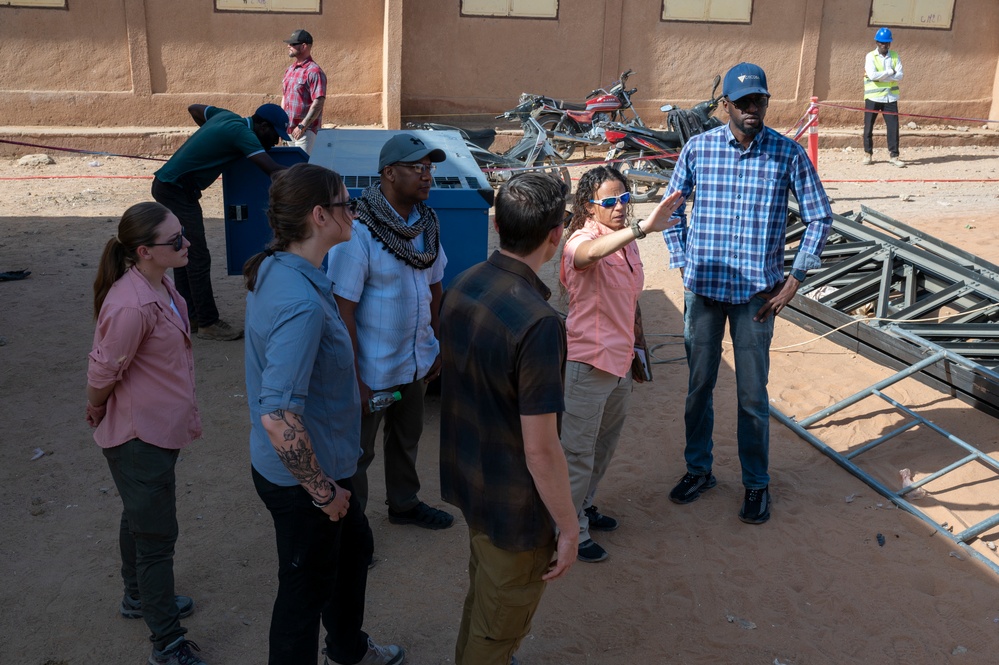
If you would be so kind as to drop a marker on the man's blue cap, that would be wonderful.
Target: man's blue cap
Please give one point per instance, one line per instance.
(745, 79)
(275, 115)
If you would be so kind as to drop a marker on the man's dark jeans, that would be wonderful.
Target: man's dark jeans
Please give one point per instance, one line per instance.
(144, 476)
(400, 445)
(322, 574)
(890, 112)
(193, 281)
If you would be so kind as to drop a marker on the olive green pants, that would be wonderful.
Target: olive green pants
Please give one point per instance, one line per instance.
(504, 591)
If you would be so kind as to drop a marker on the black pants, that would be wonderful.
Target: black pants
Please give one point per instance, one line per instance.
(400, 444)
(193, 281)
(322, 575)
(144, 476)
(890, 112)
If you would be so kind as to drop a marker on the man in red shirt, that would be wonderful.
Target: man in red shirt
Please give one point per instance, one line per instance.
(303, 91)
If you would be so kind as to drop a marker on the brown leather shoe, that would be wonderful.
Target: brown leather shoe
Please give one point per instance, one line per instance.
(220, 331)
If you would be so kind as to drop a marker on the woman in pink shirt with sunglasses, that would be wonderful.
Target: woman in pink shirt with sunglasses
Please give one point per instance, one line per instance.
(602, 272)
(141, 402)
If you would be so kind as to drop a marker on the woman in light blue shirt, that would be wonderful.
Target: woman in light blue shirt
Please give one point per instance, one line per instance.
(305, 425)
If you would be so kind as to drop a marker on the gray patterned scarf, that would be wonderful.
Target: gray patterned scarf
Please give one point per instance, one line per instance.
(383, 222)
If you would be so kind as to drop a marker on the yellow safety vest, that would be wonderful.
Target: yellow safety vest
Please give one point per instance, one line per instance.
(877, 89)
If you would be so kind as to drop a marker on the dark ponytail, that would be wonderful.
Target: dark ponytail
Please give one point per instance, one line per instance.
(293, 194)
(137, 227)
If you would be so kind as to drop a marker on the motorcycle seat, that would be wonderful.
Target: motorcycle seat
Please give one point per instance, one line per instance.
(569, 106)
(480, 137)
(667, 137)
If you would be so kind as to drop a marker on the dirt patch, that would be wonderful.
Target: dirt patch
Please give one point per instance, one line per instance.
(683, 584)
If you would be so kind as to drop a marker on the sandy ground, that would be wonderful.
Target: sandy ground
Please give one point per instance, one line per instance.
(683, 584)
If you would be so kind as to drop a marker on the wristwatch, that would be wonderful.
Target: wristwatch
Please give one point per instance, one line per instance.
(637, 229)
(799, 274)
(300, 126)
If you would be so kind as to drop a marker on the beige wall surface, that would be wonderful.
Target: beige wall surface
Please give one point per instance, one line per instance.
(118, 63)
(807, 47)
(45, 49)
(947, 72)
(107, 63)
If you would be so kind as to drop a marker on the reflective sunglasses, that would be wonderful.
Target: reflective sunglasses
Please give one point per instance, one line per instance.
(351, 204)
(177, 242)
(611, 201)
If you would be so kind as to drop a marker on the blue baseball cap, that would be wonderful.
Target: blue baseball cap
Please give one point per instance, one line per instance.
(275, 115)
(745, 79)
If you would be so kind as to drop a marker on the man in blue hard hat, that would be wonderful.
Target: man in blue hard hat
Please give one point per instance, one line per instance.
(222, 139)
(882, 73)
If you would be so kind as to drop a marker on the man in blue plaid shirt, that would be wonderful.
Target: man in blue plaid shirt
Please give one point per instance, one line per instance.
(731, 257)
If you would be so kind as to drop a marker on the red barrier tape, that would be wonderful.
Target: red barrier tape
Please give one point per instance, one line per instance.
(907, 115)
(84, 152)
(67, 177)
(918, 180)
(602, 162)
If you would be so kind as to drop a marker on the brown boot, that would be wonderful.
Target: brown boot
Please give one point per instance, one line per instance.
(220, 331)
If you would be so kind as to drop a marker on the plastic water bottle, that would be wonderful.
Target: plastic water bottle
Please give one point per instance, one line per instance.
(383, 400)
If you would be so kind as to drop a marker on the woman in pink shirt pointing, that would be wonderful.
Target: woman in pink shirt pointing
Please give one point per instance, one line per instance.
(602, 271)
(141, 402)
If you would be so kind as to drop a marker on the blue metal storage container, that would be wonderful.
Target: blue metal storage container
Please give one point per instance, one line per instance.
(244, 199)
(461, 196)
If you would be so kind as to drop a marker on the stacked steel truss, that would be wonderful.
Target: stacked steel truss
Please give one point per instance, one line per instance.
(904, 280)
(914, 303)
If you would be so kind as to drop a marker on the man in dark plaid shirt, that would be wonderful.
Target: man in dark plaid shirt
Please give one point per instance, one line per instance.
(503, 352)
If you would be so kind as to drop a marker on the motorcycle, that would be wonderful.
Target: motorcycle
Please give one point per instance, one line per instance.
(647, 156)
(534, 151)
(575, 124)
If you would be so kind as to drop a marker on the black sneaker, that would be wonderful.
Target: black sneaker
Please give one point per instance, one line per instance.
(691, 487)
(178, 652)
(590, 552)
(376, 655)
(756, 507)
(424, 516)
(598, 521)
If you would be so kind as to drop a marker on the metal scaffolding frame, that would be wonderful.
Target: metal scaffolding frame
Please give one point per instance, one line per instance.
(903, 276)
(846, 460)
(873, 264)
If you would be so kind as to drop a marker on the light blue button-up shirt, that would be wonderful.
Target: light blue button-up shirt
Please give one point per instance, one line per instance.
(396, 343)
(299, 358)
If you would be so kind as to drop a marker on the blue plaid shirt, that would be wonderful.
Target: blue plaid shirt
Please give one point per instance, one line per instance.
(733, 246)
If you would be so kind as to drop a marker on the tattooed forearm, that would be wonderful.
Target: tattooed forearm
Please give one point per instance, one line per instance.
(294, 448)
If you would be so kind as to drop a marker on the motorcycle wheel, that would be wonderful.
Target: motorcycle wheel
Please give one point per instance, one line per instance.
(554, 166)
(641, 192)
(552, 122)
